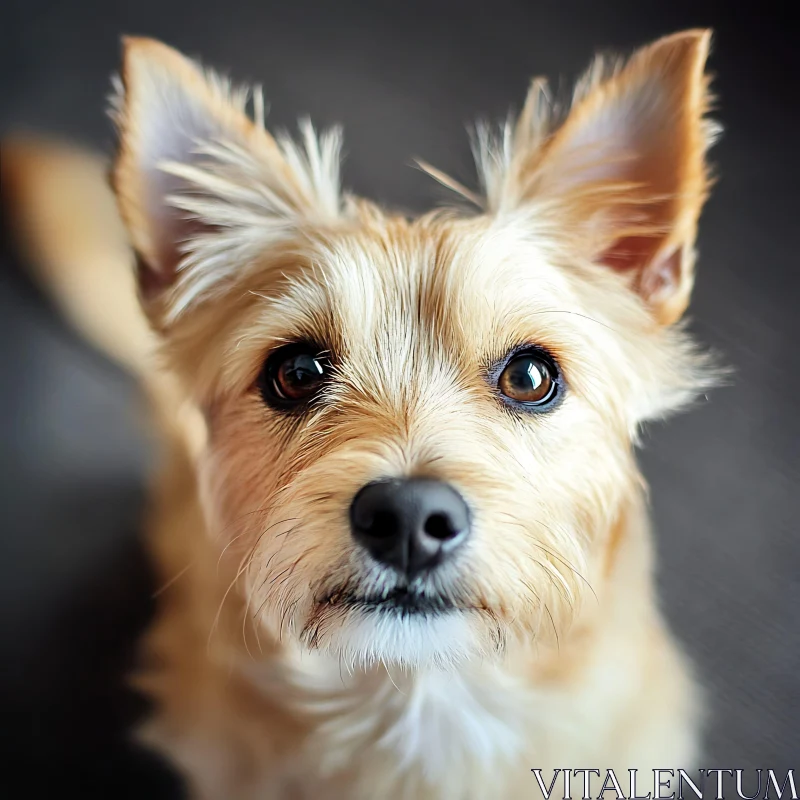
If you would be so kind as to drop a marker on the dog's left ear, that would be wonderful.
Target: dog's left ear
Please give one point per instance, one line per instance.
(202, 186)
(626, 171)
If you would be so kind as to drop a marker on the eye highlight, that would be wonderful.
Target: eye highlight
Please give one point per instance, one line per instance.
(293, 375)
(529, 380)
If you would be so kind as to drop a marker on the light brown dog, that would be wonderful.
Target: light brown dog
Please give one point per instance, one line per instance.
(400, 525)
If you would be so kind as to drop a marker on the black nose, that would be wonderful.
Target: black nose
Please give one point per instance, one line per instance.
(409, 524)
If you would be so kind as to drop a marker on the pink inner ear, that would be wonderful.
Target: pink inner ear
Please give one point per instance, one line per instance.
(654, 275)
(631, 253)
(176, 230)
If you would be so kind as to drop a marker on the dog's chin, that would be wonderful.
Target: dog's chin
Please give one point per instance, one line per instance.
(403, 628)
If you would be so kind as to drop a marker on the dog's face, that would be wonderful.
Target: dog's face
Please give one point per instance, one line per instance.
(420, 432)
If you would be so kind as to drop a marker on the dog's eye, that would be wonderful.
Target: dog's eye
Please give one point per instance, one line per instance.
(530, 380)
(293, 374)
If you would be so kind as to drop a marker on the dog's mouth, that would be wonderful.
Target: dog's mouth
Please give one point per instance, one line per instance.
(401, 600)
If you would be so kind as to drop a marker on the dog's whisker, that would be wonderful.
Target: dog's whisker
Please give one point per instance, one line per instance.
(244, 566)
(565, 562)
(576, 314)
(228, 545)
(550, 552)
(174, 579)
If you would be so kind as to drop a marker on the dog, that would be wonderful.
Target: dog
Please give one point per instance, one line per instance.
(398, 522)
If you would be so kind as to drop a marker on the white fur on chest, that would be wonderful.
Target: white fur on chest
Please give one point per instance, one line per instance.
(434, 725)
(449, 720)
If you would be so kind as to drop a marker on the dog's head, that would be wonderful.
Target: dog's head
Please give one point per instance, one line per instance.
(420, 431)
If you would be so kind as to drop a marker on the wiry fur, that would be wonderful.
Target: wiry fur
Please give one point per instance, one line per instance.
(269, 684)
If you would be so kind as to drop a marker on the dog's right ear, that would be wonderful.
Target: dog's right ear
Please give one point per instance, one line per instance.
(203, 187)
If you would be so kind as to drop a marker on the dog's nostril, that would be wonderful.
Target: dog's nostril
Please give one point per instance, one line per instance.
(384, 525)
(439, 526)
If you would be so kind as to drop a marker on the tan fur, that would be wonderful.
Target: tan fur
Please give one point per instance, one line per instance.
(266, 686)
(63, 213)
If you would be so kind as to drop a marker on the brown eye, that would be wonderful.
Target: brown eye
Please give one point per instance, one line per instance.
(293, 374)
(529, 379)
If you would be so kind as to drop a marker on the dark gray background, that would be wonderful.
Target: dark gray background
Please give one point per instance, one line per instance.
(404, 78)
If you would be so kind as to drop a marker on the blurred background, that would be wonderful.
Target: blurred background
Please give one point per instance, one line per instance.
(404, 79)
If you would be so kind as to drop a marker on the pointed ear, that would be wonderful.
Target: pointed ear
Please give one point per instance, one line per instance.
(626, 169)
(202, 186)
